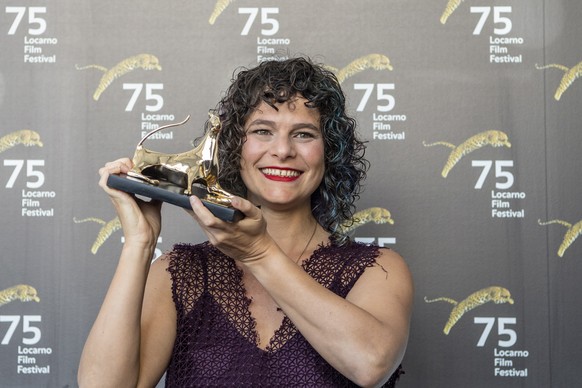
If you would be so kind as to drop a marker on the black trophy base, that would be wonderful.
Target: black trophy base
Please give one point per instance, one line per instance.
(170, 193)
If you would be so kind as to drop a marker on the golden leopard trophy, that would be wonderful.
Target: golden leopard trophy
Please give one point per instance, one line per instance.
(173, 178)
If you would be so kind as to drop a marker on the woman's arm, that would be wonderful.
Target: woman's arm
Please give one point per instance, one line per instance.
(363, 336)
(123, 347)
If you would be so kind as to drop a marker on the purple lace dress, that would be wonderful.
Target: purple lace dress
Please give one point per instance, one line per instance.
(216, 341)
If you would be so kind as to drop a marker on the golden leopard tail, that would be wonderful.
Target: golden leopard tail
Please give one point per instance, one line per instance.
(441, 143)
(219, 7)
(370, 61)
(88, 219)
(105, 232)
(22, 292)
(493, 138)
(26, 137)
(554, 65)
(161, 128)
(441, 299)
(561, 222)
(452, 5)
(568, 78)
(98, 67)
(143, 61)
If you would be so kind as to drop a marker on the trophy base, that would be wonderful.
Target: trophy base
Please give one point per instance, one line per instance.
(170, 193)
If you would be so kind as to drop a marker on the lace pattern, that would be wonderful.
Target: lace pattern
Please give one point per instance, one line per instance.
(217, 343)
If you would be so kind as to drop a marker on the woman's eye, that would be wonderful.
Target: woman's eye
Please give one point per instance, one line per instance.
(261, 131)
(304, 135)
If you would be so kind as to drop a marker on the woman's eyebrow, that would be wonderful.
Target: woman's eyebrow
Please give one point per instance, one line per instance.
(273, 124)
(306, 125)
(261, 122)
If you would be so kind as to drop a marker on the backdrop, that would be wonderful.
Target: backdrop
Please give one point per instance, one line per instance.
(472, 114)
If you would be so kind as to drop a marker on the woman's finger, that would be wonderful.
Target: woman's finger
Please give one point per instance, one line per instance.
(202, 215)
(246, 207)
(119, 166)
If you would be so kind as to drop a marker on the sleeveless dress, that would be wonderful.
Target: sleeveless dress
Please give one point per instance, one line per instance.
(216, 342)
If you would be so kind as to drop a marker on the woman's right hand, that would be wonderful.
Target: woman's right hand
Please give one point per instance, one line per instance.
(131, 340)
(141, 220)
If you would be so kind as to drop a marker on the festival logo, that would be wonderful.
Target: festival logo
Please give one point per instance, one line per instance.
(140, 61)
(568, 79)
(107, 229)
(493, 294)
(492, 138)
(30, 171)
(370, 61)
(29, 357)
(21, 292)
(26, 137)
(570, 236)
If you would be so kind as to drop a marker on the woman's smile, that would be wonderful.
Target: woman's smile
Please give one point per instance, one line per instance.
(280, 174)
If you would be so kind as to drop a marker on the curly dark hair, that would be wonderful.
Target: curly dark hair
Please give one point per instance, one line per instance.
(276, 82)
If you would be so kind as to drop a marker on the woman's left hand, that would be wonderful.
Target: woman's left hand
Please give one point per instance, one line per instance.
(246, 240)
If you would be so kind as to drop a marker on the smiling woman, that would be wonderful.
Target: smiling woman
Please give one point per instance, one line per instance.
(280, 298)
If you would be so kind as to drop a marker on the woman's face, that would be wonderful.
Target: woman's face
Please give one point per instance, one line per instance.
(282, 161)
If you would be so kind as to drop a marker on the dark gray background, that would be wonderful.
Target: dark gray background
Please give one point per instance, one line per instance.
(444, 84)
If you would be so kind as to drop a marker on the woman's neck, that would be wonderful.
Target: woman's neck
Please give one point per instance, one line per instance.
(293, 232)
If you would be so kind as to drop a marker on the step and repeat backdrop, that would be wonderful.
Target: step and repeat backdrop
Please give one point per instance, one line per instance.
(471, 109)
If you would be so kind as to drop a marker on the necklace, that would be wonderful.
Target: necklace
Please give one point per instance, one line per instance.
(308, 242)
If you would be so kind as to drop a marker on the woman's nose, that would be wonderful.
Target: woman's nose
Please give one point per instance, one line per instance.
(283, 147)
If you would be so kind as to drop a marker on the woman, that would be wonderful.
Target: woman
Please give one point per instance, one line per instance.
(280, 298)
